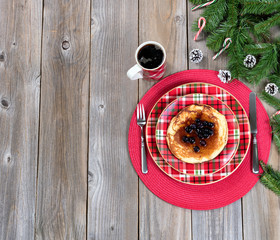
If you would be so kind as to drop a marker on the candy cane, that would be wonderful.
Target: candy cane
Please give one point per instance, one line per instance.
(203, 5)
(200, 27)
(225, 46)
(277, 113)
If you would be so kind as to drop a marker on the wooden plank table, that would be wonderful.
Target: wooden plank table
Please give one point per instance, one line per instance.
(65, 108)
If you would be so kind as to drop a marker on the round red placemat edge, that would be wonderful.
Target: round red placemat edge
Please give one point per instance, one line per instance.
(168, 86)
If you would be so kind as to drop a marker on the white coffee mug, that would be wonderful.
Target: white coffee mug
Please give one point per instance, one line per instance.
(138, 71)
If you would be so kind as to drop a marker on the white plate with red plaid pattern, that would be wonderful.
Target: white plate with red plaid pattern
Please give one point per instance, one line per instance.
(225, 97)
(204, 168)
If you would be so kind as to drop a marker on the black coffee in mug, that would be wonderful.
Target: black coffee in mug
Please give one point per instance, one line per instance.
(150, 56)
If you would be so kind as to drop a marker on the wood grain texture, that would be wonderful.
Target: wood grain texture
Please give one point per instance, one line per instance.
(207, 62)
(223, 223)
(113, 183)
(218, 224)
(19, 115)
(164, 22)
(261, 211)
(62, 176)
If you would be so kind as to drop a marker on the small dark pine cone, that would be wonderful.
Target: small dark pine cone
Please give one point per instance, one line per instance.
(271, 89)
(196, 56)
(250, 61)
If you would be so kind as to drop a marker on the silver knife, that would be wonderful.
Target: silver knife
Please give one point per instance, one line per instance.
(253, 124)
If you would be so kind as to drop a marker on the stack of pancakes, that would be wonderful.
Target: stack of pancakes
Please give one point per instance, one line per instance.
(187, 116)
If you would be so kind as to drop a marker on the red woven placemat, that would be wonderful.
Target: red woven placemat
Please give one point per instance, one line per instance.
(203, 197)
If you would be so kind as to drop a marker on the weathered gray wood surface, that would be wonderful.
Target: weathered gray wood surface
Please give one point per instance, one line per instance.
(19, 115)
(164, 22)
(75, 147)
(61, 211)
(261, 211)
(113, 184)
(223, 223)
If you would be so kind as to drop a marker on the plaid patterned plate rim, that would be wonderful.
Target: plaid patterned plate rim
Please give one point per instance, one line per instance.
(204, 168)
(224, 96)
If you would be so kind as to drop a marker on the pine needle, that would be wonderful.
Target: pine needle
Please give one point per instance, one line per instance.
(270, 178)
(271, 183)
(267, 24)
(260, 7)
(248, 23)
(275, 123)
(273, 101)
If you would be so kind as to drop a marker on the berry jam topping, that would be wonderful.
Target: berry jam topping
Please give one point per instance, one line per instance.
(203, 143)
(196, 149)
(205, 136)
(205, 123)
(188, 129)
(202, 129)
(186, 139)
(201, 135)
(192, 126)
(192, 140)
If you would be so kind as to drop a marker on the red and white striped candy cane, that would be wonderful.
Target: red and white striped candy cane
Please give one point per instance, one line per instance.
(203, 5)
(277, 113)
(200, 27)
(225, 46)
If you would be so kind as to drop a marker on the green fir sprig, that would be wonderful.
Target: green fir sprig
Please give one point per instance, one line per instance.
(270, 178)
(275, 124)
(248, 24)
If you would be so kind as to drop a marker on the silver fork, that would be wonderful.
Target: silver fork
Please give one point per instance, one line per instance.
(141, 122)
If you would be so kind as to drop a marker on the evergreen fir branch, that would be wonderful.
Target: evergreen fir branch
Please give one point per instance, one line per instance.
(263, 166)
(276, 120)
(214, 14)
(234, 12)
(274, 78)
(275, 123)
(267, 24)
(271, 183)
(266, 64)
(195, 26)
(270, 178)
(274, 173)
(236, 66)
(276, 140)
(237, 54)
(273, 101)
(249, 22)
(257, 49)
(260, 8)
(217, 38)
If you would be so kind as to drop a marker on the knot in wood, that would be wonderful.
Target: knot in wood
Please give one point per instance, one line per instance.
(101, 106)
(4, 103)
(2, 57)
(179, 19)
(65, 45)
(8, 160)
